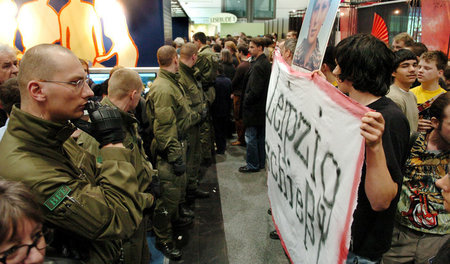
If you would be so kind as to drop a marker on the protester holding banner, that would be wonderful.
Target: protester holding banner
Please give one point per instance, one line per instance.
(364, 67)
(422, 225)
(431, 67)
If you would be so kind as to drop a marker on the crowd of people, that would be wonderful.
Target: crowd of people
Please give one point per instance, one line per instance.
(88, 170)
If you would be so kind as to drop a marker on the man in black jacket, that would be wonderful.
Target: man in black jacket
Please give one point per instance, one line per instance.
(254, 106)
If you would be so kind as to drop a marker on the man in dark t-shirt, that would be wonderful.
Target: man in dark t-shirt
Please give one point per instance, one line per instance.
(363, 71)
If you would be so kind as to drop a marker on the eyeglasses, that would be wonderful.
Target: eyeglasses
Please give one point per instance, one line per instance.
(79, 84)
(18, 253)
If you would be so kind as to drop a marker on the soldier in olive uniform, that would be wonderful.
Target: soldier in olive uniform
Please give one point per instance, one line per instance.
(124, 92)
(91, 208)
(194, 94)
(207, 64)
(171, 117)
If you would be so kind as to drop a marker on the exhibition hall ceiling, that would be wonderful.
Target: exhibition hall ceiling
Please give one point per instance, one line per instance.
(199, 11)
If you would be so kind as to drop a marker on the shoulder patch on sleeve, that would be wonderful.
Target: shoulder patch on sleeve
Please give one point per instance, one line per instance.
(57, 197)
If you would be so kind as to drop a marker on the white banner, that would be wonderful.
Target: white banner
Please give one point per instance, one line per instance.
(315, 154)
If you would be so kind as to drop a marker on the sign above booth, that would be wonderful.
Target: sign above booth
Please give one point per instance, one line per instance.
(223, 18)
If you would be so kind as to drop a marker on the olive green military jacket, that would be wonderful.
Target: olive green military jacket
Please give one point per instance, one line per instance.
(207, 63)
(132, 141)
(191, 87)
(94, 205)
(170, 115)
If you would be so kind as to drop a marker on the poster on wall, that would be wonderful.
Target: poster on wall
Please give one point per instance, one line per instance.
(101, 32)
(314, 34)
(314, 154)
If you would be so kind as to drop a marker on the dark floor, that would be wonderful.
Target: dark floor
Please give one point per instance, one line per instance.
(232, 226)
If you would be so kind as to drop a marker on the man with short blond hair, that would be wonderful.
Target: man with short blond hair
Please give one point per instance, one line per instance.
(401, 41)
(170, 117)
(124, 92)
(191, 84)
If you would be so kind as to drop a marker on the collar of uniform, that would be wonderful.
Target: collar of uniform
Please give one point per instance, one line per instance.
(169, 75)
(127, 117)
(39, 131)
(186, 69)
(203, 48)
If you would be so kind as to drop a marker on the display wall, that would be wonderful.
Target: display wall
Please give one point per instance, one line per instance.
(250, 29)
(103, 32)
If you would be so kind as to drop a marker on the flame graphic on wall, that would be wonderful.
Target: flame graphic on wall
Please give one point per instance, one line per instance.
(379, 29)
(77, 26)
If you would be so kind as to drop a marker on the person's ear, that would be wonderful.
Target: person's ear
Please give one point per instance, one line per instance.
(441, 73)
(323, 68)
(132, 94)
(434, 122)
(37, 91)
(394, 74)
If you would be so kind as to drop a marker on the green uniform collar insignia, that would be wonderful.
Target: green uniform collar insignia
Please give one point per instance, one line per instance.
(57, 197)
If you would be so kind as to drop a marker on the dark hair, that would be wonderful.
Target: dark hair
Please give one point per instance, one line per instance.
(418, 48)
(403, 55)
(221, 68)
(447, 72)
(259, 42)
(230, 39)
(16, 204)
(200, 36)
(9, 94)
(329, 57)
(243, 48)
(267, 41)
(438, 106)
(217, 47)
(367, 62)
(436, 55)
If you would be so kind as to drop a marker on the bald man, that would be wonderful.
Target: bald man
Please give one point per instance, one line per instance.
(170, 116)
(124, 92)
(86, 204)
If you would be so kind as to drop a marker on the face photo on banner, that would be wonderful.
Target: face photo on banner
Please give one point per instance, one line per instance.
(314, 34)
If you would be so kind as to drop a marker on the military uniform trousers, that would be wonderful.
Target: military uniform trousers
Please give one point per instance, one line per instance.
(172, 189)
(193, 157)
(206, 128)
(136, 248)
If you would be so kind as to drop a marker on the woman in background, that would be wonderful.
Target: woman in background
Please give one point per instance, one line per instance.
(21, 235)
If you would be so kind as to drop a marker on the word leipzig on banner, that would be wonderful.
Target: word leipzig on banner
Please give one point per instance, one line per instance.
(315, 154)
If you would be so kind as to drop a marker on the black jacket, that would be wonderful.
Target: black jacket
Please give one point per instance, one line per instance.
(222, 104)
(257, 84)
